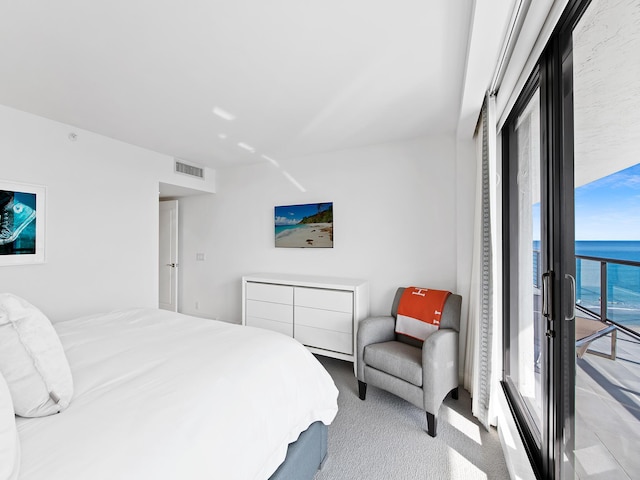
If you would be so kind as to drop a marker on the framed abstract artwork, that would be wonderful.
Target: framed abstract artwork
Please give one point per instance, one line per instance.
(22, 223)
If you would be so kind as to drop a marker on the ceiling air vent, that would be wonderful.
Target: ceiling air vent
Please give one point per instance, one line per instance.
(182, 167)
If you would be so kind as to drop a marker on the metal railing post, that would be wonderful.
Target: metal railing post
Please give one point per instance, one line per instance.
(603, 291)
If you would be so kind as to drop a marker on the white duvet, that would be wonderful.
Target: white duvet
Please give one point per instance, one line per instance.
(166, 396)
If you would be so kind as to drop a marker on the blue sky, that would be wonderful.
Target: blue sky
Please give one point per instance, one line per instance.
(292, 214)
(606, 209)
(609, 208)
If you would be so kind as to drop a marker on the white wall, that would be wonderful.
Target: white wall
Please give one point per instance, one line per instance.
(102, 216)
(397, 220)
(394, 223)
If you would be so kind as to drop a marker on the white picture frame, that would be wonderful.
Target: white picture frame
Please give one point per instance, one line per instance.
(22, 223)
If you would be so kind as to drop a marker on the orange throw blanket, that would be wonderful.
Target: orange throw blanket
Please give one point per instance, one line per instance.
(420, 311)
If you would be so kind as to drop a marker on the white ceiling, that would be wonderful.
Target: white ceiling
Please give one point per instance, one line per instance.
(301, 76)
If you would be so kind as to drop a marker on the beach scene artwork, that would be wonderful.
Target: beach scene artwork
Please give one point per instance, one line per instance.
(304, 226)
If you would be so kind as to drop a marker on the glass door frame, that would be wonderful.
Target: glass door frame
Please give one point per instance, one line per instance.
(557, 87)
(551, 452)
(532, 438)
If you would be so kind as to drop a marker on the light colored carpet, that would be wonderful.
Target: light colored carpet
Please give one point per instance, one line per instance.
(384, 437)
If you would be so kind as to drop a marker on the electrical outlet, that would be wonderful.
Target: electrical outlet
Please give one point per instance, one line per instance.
(200, 257)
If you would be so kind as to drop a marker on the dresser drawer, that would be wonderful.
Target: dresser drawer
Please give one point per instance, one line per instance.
(320, 312)
(325, 299)
(270, 293)
(270, 311)
(324, 319)
(280, 327)
(325, 339)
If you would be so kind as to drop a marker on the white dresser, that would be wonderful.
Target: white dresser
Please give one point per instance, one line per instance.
(321, 312)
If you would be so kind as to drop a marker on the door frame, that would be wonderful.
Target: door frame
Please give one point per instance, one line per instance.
(174, 251)
(525, 423)
(554, 72)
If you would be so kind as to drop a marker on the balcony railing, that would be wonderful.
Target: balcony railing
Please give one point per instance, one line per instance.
(618, 303)
(537, 274)
(610, 290)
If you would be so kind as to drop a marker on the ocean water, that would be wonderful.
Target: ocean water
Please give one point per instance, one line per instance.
(282, 228)
(618, 250)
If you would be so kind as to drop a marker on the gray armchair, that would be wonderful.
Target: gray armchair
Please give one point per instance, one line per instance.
(421, 374)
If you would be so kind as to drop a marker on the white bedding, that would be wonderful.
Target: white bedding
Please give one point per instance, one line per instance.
(166, 396)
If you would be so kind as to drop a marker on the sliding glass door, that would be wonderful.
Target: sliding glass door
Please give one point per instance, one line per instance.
(526, 264)
(606, 132)
(539, 259)
(538, 277)
(570, 150)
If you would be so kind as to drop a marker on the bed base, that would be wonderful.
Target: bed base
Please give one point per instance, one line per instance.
(305, 456)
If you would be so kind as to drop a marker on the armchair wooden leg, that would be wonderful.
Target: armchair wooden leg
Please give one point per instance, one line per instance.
(454, 393)
(432, 424)
(362, 390)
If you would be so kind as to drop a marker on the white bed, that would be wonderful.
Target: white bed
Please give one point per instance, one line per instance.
(159, 395)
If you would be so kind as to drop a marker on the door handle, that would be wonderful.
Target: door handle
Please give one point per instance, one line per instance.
(546, 295)
(172, 265)
(572, 282)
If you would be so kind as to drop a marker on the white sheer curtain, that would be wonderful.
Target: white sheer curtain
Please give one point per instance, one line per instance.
(482, 355)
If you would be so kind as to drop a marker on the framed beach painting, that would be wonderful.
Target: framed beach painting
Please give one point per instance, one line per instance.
(304, 226)
(22, 215)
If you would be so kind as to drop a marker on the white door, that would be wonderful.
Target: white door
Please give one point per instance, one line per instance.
(168, 266)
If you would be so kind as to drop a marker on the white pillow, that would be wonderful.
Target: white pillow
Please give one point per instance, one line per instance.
(32, 359)
(9, 441)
